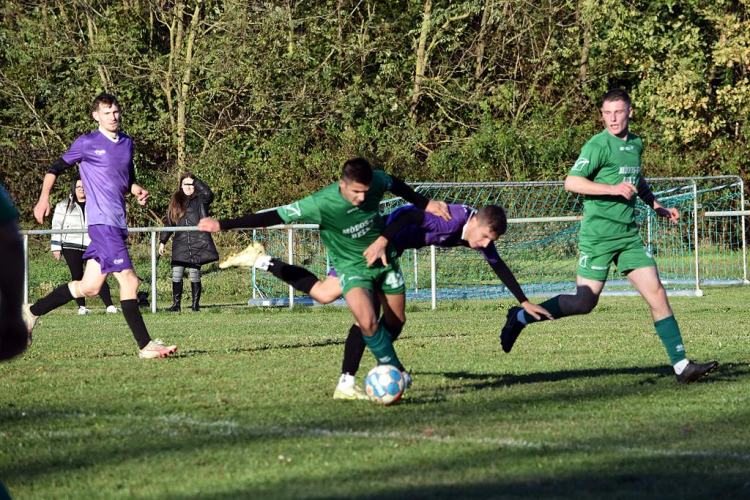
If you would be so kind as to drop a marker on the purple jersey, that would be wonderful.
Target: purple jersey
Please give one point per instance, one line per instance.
(106, 168)
(439, 232)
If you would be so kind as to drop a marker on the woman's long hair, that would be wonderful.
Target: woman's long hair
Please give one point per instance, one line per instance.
(179, 201)
(73, 198)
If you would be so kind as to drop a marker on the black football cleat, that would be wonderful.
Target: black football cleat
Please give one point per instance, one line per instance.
(511, 330)
(694, 371)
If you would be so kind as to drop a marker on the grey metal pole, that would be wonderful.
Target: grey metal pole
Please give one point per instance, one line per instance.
(25, 268)
(153, 272)
(433, 276)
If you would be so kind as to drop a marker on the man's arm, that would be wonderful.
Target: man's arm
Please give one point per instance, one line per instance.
(376, 250)
(645, 194)
(402, 189)
(582, 185)
(503, 272)
(41, 209)
(263, 219)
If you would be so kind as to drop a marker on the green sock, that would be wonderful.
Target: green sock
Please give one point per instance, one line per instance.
(552, 305)
(381, 346)
(669, 333)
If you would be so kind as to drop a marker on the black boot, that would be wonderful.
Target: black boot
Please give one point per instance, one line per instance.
(196, 288)
(176, 296)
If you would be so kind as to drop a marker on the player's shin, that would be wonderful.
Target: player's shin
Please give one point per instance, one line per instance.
(298, 277)
(58, 297)
(354, 348)
(381, 346)
(135, 322)
(669, 334)
(552, 305)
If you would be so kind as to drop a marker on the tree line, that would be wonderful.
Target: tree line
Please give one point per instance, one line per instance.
(264, 100)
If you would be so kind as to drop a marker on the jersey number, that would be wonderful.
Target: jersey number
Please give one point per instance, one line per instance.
(394, 279)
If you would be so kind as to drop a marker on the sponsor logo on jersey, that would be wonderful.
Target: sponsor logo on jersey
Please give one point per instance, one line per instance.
(629, 170)
(627, 148)
(353, 209)
(598, 268)
(580, 164)
(359, 230)
(100, 152)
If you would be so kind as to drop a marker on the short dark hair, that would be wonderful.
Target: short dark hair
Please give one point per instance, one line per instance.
(493, 216)
(106, 99)
(616, 95)
(357, 170)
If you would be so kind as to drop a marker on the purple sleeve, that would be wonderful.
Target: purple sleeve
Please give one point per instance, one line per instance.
(75, 153)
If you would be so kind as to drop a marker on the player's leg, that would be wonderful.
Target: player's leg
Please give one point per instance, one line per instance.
(582, 302)
(13, 333)
(105, 293)
(594, 261)
(148, 348)
(196, 287)
(646, 281)
(74, 260)
(177, 272)
(301, 279)
(87, 286)
(376, 337)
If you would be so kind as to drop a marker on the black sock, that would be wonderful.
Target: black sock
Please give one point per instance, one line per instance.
(135, 322)
(354, 348)
(300, 278)
(56, 298)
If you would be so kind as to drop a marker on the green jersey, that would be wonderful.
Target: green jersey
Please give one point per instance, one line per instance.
(607, 159)
(7, 210)
(346, 230)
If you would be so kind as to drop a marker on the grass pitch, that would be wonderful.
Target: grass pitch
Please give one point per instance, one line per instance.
(583, 408)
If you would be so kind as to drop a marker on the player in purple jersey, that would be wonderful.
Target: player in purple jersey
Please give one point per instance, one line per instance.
(105, 159)
(409, 227)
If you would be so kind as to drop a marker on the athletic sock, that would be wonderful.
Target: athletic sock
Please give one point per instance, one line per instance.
(669, 333)
(56, 298)
(552, 305)
(298, 277)
(345, 381)
(135, 322)
(680, 366)
(381, 346)
(354, 348)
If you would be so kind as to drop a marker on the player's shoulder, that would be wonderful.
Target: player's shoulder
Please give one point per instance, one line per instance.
(599, 141)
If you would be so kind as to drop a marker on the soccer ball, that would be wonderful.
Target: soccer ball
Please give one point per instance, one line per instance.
(385, 384)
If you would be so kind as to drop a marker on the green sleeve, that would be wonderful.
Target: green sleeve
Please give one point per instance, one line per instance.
(589, 161)
(305, 211)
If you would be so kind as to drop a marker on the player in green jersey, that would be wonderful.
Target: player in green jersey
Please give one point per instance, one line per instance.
(347, 213)
(608, 173)
(13, 334)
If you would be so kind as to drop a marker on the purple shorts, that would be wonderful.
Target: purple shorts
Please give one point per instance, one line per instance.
(333, 273)
(108, 248)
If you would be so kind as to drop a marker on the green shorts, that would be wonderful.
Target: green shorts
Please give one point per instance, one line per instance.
(386, 279)
(596, 256)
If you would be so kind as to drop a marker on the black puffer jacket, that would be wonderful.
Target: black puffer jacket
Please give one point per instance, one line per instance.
(193, 248)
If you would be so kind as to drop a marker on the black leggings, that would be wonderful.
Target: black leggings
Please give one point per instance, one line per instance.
(74, 259)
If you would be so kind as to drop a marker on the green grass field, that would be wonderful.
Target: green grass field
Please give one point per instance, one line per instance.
(583, 408)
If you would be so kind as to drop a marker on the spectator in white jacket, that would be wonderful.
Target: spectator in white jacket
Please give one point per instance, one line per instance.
(71, 214)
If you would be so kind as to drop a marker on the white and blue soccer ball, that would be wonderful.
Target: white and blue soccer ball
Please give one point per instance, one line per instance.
(385, 384)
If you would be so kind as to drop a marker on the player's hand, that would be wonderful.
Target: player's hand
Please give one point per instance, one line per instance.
(56, 253)
(161, 249)
(209, 225)
(624, 189)
(536, 310)
(439, 208)
(140, 193)
(670, 214)
(376, 251)
(41, 210)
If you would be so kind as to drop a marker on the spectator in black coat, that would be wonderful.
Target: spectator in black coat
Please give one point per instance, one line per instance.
(190, 249)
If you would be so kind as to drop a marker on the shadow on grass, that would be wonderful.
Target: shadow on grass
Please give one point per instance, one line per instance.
(479, 381)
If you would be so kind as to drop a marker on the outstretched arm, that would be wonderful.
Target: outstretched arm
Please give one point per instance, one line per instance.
(509, 280)
(263, 219)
